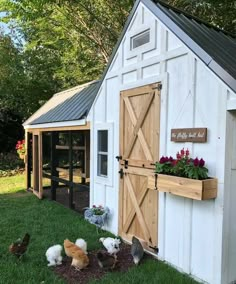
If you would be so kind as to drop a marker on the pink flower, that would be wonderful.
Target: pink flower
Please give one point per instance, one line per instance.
(178, 156)
(182, 152)
(187, 152)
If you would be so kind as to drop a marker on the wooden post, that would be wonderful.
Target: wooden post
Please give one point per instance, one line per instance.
(70, 171)
(54, 164)
(35, 164)
(27, 160)
(87, 154)
(40, 166)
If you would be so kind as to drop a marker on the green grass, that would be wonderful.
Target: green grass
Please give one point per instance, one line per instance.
(12, 184)
(49, 223)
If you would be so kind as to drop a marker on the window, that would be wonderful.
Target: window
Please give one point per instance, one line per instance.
(140, 39)
(102, 169)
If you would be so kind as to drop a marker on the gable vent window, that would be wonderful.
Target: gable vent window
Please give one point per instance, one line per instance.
(140, 39)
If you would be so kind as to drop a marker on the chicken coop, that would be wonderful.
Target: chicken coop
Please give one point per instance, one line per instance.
(58, 147)
(169, 84)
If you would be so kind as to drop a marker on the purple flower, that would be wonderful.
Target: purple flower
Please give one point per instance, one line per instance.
(201, 163)
(196, 162)
(162, 160)
(171, 159)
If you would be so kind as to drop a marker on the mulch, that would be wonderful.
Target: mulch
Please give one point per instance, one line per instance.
(93, 271)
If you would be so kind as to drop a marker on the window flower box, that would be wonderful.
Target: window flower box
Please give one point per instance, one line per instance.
(186, 187)
(185, 177)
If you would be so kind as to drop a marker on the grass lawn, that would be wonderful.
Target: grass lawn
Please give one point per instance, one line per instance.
(49, 223)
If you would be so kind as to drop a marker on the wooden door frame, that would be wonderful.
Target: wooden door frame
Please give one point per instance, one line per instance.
(37, 164)
(156, 87)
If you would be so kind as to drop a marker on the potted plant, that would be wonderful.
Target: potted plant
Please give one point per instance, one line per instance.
(20, 148)
(97, 215)
(185, 176)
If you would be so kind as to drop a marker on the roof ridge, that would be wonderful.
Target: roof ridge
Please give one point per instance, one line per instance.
(76, 88)
(188, 15)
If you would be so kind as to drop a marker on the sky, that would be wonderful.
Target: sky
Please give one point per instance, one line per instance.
(3, 26)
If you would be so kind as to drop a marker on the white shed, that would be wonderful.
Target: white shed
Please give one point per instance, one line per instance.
(169, 70)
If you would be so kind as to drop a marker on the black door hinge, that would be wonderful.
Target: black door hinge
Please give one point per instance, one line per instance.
(156, 249)
(158, 87)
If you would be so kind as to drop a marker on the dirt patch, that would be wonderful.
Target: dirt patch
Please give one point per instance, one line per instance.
(93, 271)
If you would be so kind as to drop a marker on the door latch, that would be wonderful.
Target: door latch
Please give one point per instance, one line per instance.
(121, 172)
(126, 164)
(118, 158)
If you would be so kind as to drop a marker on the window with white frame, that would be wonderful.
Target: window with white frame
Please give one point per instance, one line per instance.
(140, 39)
(102, 152)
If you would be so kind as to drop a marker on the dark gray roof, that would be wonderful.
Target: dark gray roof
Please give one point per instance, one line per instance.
(216, 48)
(74, 107)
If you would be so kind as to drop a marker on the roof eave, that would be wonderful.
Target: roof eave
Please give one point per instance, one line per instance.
(56, 124)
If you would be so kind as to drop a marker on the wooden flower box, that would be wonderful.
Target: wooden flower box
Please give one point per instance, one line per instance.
(189, 188)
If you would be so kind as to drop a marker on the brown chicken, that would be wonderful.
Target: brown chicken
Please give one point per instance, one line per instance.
(19, 247)
(106, 260)
(80, 260)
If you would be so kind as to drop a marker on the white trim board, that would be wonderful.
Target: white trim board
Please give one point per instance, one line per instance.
(57, 124)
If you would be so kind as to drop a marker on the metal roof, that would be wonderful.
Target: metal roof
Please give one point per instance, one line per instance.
(69, 105)
(215, 47)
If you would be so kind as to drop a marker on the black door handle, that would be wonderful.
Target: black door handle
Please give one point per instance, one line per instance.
(121, 172)
(118, 158)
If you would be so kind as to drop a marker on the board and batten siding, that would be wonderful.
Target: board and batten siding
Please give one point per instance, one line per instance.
(190, 232)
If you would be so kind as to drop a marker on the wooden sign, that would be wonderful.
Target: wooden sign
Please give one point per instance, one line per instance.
(189, 135)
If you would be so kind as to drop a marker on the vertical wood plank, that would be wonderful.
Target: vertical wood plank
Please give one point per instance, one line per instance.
(40, 164)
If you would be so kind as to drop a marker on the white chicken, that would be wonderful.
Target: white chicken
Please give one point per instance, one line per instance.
(82, 244)
(111, 245)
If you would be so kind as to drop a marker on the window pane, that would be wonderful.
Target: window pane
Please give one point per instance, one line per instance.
(102, 165)
(140, 39)
(102, 140)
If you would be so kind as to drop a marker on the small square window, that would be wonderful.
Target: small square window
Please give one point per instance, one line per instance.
(140, 39)
(102, 152)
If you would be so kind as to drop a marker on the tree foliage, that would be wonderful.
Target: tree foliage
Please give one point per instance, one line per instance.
(221, 14)
(57, 44)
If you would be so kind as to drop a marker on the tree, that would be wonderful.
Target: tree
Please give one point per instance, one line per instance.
(82, 32)
(216, 12)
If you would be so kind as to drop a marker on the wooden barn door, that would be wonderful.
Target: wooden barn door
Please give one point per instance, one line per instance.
(139, 150)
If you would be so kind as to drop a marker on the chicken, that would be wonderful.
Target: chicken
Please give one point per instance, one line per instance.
(79, 259)
(19, 247)
(111, 244)
(81, 243)
(136, 250)
(106, 260)
(53, 255)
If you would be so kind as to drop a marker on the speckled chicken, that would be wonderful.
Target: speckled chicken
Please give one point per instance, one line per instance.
(19, 247)
(136, 250)
(106, 260)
